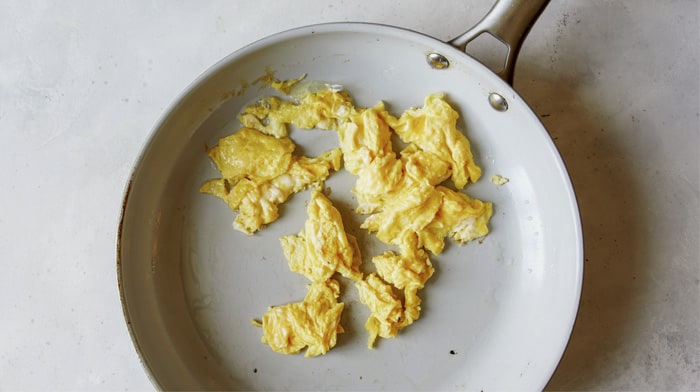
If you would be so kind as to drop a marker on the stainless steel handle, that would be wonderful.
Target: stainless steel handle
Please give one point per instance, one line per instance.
(509, 21)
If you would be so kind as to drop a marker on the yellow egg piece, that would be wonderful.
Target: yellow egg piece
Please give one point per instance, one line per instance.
(253, 155)
(364, 137)
(255, 192)
(386, 310)
(323, 247)
(313, 323)
(498, 179)
(434, 129)
(323, 109)
(410, 269)
(410, 210)
(461, 217)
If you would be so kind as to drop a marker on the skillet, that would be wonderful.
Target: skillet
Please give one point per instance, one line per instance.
(497, 314)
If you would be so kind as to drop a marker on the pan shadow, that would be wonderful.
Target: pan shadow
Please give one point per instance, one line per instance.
(612, 209)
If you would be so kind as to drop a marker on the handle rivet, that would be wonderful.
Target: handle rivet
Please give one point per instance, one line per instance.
(437, 61)
(498, 102)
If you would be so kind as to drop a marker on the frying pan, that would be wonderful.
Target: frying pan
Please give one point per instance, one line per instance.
(497, 314)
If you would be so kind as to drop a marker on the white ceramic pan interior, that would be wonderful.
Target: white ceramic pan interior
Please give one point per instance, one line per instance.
(497, 314)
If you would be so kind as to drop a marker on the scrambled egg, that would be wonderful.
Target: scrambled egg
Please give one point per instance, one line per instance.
(386, 309)
(323, 109)
(434, 129)
(498, 179)
(401, 194)
(408, 272)
(248, 154)
(260, 172)
(407, 206)
(323, 247)
(432, 213)
(312, 323)
(283, 86)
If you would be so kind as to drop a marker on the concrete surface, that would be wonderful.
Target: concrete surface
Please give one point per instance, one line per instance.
(81, 84)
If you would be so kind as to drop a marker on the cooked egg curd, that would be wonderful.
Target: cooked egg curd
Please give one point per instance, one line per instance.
(323, 247)
(434, 129)
(323, 109)
(312, 323)
(407, 271)
(260, 172)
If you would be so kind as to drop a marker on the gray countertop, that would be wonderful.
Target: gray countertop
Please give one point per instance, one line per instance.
(81, 84)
